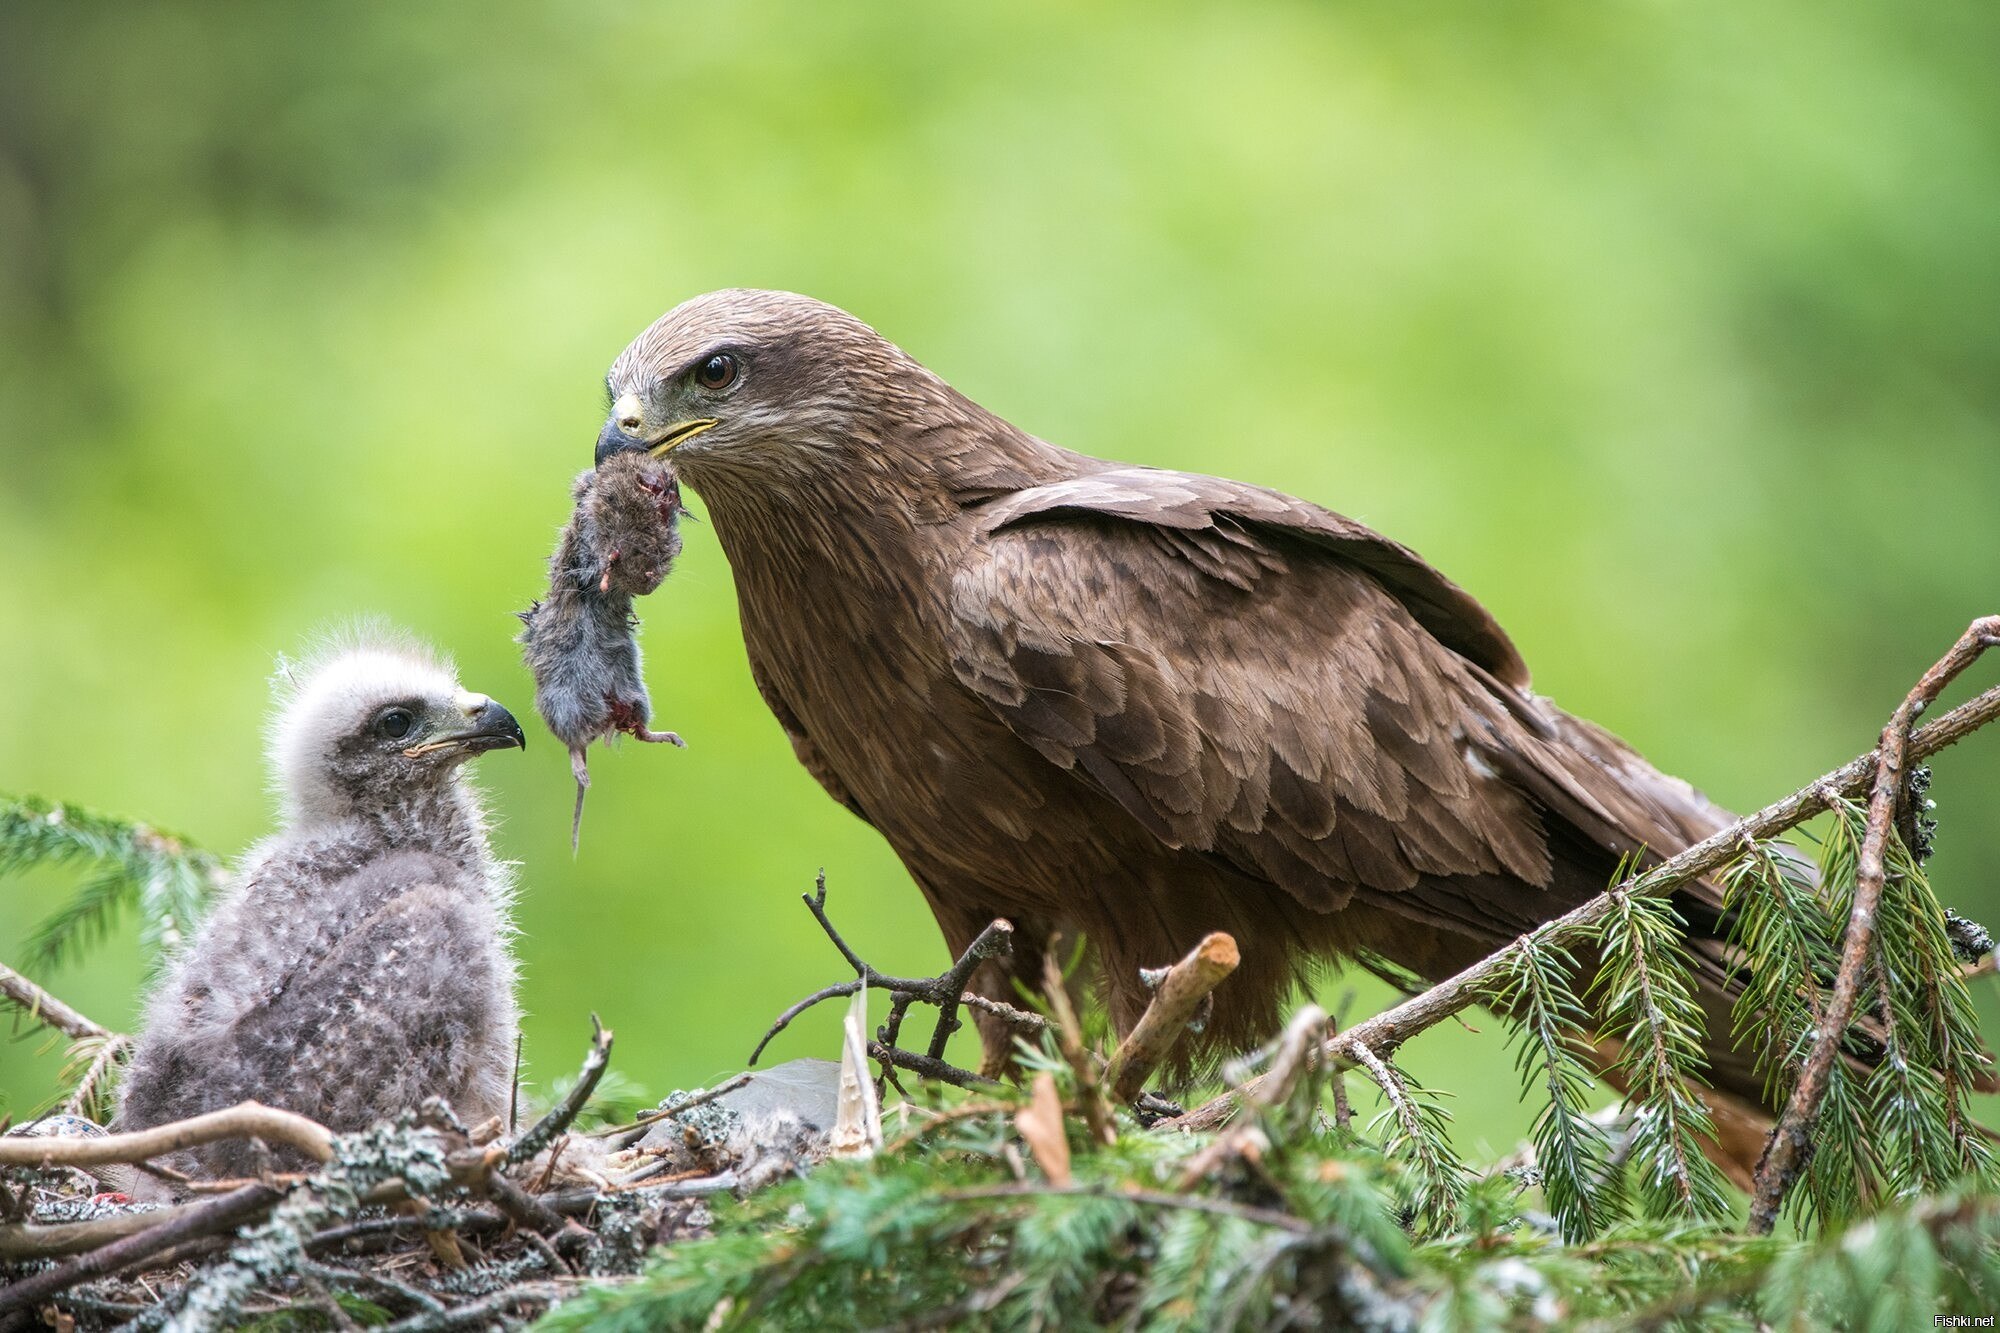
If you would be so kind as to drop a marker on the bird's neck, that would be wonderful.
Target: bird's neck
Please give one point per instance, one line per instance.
(870, 511)
(448, 821)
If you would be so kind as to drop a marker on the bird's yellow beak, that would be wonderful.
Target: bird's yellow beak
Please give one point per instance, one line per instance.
(626, 430)
(678, 433)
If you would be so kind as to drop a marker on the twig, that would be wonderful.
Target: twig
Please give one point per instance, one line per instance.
(816, 903)
(201, 1219)
(246, 1120)
(997, 940)
(939, 1119)
(1290, 1058)
(1392, 1088)
(379, 1283)
(1150, 1198)
(81, 1096)
(479, 1313)
(1082, 1063)
(543, 1131)
(1180, 993)
(722, 1089)
(46, 1009)
(946, 990)
(1392, 1027)
(1791, 1142)
(924, 1066)
(1005, 1012)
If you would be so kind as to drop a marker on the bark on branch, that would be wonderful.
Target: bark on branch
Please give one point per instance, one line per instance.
(1791, 1142)
(45, 1008)
(1180, 993)
(246, 1120)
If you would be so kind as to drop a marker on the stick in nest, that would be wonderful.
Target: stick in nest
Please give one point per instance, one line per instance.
(246, 1120)
(946, 991)
(1179, 994)
(543, 1131)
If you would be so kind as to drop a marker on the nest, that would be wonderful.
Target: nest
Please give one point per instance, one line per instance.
(418, 1223)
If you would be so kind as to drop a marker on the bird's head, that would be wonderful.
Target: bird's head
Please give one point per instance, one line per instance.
(762, 384)
(374, 723)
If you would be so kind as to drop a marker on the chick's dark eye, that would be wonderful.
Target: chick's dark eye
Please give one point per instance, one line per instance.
(395, 723)
(717, 372)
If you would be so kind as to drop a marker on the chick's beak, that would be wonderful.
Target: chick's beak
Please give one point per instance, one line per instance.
(488, 727)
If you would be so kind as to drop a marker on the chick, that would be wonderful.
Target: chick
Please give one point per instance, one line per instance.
(359, 963)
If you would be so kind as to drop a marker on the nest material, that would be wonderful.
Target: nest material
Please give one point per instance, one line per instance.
(416, 1221)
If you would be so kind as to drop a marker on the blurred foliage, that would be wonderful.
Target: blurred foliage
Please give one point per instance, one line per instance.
(1666, 329)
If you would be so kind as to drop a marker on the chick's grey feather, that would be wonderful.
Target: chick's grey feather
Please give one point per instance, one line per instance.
(359, 964)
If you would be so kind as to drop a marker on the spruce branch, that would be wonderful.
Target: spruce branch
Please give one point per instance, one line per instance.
(1791, 1141)
(1647, 1007)
(168, 879)
(1419, 1135)
(1571, 1148)
(1392, 1027)
(46, 1009)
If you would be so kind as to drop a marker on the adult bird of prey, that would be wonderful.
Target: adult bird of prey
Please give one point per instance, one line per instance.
(1131, 703)
(359, 962)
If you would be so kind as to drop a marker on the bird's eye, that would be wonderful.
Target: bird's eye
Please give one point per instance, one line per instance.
(717, 372)
(395, 723)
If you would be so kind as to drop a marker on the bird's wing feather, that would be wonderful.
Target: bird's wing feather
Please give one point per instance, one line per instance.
(1197, 504)
(1285, 714)
(1239, 673)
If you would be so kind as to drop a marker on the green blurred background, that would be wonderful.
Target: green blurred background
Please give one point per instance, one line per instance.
(1672, 331)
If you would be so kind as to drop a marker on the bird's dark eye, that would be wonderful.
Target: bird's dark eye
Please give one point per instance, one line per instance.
(717, 372)
(394, 723)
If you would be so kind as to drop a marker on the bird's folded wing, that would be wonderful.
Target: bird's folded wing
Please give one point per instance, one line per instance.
(1196, 504)
(1254, 677)
(1261, 700)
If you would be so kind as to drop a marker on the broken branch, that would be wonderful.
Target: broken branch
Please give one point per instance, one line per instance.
(543, 1131)
(1180, 993)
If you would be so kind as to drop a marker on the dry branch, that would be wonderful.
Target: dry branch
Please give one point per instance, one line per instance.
(1179, 995)
(1090, 1096)
(197, 1220)
(946, 991)
(246, 1120)
(1791, 1142)
(543, 1131)
(1392, 1027)
(46, 1009)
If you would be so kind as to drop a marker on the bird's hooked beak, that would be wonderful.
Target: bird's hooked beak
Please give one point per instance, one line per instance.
(626, 429)
(488, 727)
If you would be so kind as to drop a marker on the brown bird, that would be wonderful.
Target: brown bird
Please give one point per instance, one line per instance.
(1134, 704)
